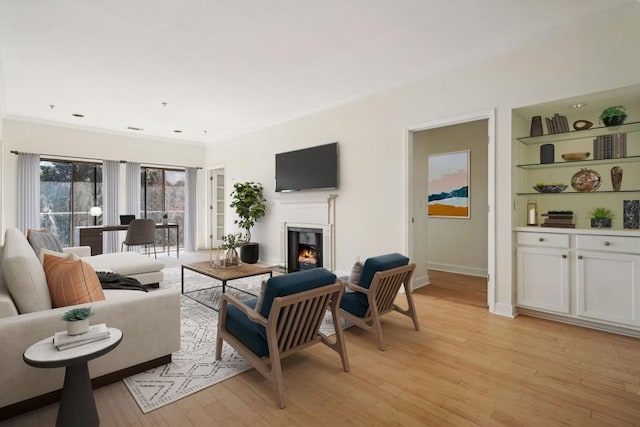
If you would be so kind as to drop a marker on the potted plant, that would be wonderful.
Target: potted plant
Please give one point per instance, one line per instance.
(613, 116)
(230, 242)
(601, 217)
(165, 218)
(250, 205)
(77, 320)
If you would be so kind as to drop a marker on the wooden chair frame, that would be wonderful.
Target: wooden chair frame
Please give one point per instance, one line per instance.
(293, 324)
(381, 296)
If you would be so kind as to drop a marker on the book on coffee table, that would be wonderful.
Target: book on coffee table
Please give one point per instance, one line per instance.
(63, 341)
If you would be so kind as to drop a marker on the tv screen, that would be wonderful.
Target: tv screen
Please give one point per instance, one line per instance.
(311, 168)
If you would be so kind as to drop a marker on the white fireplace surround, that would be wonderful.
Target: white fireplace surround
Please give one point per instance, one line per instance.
(309, 214)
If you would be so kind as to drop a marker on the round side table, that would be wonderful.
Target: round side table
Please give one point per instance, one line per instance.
(77, 406)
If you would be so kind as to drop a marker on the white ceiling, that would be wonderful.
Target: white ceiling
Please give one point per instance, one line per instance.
(227, 67)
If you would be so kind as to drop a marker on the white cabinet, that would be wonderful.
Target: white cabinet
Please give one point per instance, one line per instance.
(608, 279)
(592, 278)
(543, 271)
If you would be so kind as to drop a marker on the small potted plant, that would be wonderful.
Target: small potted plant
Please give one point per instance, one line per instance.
(613, 116)
(601, 217)
(165, 218)
(230, 242)
(250, 205)
(77, 320)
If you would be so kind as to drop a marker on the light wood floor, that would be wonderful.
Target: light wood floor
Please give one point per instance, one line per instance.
(465, 367)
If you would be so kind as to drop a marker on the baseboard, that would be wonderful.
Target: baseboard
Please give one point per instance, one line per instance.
(506, 310)
(580, 322)
(33, 403)
(419, 282)
(459, 269)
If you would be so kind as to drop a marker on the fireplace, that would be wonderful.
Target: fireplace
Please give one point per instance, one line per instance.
(304, 248)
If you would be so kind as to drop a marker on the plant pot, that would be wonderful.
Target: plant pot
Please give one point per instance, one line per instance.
(250, 252)
(601, 222)
(77, 327)
(614, 121)
(231, 258)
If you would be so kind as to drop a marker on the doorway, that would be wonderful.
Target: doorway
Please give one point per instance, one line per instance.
(447, 244)
(217, 203)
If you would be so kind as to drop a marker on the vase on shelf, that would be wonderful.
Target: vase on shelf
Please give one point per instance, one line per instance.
(616, 178)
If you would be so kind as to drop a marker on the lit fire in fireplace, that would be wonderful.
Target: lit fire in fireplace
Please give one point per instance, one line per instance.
(307, 256)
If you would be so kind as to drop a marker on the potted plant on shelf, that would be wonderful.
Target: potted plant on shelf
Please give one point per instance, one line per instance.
(250, 205)
(601, 217)
(613, 116)
(230, 242)
(77, 320)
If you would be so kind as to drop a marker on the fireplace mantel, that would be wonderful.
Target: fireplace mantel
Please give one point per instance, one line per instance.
(312, 213)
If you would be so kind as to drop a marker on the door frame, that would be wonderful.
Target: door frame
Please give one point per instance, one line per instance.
(488, 115)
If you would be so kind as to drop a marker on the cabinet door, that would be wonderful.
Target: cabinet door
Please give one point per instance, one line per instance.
(543, 278)
(609, 287)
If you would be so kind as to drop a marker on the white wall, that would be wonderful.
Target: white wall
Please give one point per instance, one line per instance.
(589, 56)
(452, 244)
(33, 137)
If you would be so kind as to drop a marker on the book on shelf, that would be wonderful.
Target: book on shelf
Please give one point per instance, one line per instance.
(63, 341)
(558, 225)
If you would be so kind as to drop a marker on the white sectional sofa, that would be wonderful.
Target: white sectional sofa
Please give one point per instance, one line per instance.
(150, 322)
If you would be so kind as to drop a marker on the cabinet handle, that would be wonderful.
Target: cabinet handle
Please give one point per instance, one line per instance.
(607, 243)
(564, 256)
(540, 239)
(579, 256)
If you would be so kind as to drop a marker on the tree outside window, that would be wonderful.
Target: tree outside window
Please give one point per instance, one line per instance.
(163, 190)
(67, 191)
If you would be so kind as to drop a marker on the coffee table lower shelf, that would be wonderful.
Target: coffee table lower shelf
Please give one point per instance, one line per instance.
(223, 275)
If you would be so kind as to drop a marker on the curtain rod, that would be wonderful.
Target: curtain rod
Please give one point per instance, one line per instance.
(94, 159)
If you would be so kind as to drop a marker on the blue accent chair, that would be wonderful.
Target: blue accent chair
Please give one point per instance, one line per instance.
(375, 293)
(288, 320)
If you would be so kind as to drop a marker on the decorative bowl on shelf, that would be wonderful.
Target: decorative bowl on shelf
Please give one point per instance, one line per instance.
(558, 188)
(586, 180)
(572, 157)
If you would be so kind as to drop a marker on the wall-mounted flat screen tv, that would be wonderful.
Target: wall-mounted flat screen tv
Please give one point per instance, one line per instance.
(312, 168)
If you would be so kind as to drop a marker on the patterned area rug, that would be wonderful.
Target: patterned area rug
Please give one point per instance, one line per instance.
(194, 367)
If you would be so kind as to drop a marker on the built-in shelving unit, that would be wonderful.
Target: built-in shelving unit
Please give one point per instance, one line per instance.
(581, 134)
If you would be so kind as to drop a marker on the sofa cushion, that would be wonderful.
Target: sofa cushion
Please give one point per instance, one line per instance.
(23, 274)
(63, 255)
(125, 263)
(351, 303)
(7, 307)
(43, 239)
(71, 281)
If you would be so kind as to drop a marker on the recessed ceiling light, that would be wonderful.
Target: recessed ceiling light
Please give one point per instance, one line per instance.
(177, 131)
(578, 105)
(134, 128)
(77, 115)
(51, 106)
(164, 104)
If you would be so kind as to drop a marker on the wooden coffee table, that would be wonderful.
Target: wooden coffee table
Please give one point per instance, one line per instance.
(225, 274)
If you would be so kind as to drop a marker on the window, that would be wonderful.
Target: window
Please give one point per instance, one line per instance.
(67, 191)
(163, 191)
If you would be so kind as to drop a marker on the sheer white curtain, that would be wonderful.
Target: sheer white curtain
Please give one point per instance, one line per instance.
(28, 191)
(110, 185)
(190, 207)
(133, 188)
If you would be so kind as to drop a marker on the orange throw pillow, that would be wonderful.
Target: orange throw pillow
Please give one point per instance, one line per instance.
(71, 282)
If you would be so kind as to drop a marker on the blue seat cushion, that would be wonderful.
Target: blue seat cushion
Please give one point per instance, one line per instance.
(379, 263)
(352, 304)
(239, 325)
(293, 283)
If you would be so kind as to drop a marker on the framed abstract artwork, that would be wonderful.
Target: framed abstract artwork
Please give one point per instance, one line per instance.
(448, 185)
